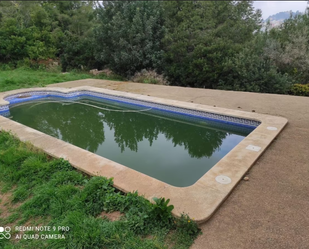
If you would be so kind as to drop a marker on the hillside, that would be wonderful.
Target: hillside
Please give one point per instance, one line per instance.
(276, 19)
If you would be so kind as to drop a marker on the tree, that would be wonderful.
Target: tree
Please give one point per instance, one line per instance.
(252, 70)
(48, 29)
(287, 47)
(74, 34)
(129, 37)
(201, 35)
(24, 32)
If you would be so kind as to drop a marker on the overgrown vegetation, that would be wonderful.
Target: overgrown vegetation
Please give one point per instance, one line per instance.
(209, 44)
(300, 89)
(52, 191)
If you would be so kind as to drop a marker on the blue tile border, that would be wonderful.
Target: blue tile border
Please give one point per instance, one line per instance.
(34, 95)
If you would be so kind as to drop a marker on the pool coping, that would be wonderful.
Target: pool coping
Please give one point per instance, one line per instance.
(199, 200)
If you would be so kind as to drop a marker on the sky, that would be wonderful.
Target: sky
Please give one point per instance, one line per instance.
(273, 7)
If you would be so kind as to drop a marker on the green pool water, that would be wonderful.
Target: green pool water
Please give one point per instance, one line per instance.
(174, 148)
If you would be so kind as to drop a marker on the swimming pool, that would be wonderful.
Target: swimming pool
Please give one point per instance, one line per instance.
(175, 148)
(238, 139)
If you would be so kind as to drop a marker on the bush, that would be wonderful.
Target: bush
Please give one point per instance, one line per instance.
(149, 76)
(24, 63)
(300, 89)
(6, 67)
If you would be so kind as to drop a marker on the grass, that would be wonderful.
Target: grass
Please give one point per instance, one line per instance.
(26, 77)
(51, 190)
(39, 190)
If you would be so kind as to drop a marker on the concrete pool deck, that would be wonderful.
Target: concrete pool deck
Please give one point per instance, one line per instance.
(271, 209)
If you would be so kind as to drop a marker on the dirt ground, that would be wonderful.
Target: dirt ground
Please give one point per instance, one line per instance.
(271, 210)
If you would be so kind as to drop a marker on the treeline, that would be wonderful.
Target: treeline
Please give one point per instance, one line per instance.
(208, 44)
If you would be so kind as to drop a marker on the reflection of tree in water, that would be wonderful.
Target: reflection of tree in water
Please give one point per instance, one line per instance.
(131, 128)
(83, 129)
(198, 141)
(83, 126)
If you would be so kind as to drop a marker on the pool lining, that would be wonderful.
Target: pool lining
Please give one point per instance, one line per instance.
(18, 98)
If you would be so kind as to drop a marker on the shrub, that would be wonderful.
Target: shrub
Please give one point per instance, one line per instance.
(6, 67)
(149, 76)
(300, 89)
